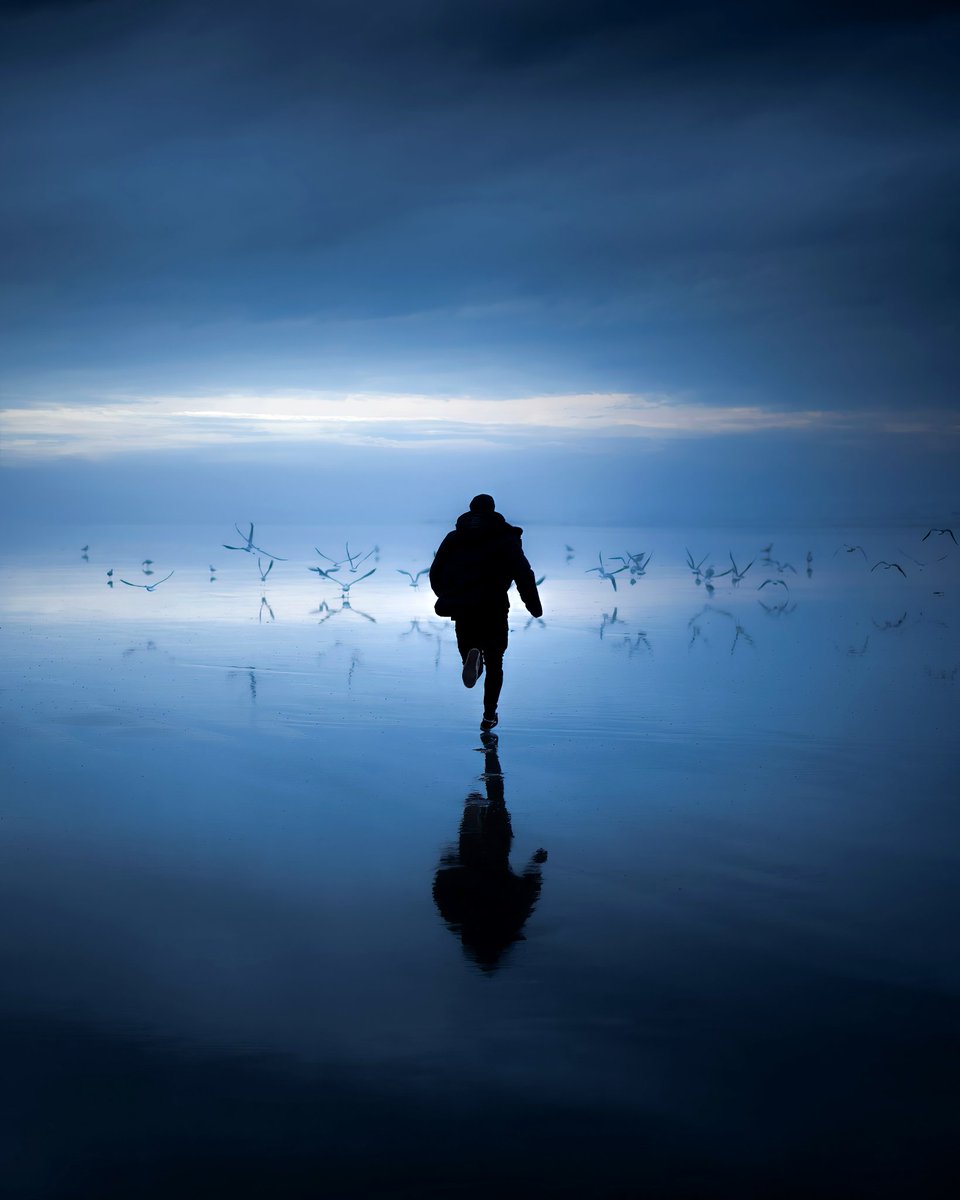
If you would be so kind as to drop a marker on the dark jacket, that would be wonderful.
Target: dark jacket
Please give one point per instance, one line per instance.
(476, 564)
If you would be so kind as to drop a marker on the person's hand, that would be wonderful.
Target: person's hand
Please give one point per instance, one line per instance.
(536, 611)
(540, 856)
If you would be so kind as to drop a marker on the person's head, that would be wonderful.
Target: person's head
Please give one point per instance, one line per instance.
(482, 504)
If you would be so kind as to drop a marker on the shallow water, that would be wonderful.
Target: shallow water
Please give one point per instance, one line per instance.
(262, 935)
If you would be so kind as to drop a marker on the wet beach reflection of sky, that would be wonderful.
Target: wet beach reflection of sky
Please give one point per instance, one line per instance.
(281, 921)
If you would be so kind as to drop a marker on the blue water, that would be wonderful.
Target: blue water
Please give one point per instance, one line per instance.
(229, 966)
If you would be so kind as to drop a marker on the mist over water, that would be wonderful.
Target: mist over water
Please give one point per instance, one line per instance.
(231, 802)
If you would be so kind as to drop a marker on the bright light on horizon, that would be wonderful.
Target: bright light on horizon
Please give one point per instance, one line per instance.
(141, 424)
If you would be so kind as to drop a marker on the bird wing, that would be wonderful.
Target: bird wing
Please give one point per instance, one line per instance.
(129, 584)
(157, 582)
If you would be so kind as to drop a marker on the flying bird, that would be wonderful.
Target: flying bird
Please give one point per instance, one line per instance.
(250, 546)
(888, 566)
(347, 586)
(414, 579)
(775, 583)
(850, 550)
(940, 533)
(355, 560)
(696, 567)
(264, 573)
(604, 573)
(636, 564)
(147, 587)
(737, 574)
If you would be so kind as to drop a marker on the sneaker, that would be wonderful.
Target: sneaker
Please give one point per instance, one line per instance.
(489, 722)
(472, 666)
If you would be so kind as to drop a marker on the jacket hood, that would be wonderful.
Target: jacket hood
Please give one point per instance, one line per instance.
(486, 524)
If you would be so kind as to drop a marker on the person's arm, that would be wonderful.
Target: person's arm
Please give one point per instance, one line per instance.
(438, 566)
(526, 583)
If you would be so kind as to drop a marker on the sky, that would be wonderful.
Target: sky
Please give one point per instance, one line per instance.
(611, 261)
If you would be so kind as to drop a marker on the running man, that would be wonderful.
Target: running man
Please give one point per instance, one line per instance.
(471, 575)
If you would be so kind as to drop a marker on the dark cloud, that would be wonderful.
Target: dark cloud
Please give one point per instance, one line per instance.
(740, 200)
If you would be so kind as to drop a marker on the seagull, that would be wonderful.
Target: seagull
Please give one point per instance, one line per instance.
(84, 549)
(604, 573)
(888, 566)
(335, 565)
(347, 586)
(850, 550)
(148, 587)
(781, 567)
(264, 573)
(737, 573)
(636, 563)
(775, 583)
(265, 604)
(110, 573)
(414, 579)
(940, 532)
(147, 562)
(213, 570)
(328, 574)
(696, 567)
(250, 546)
(355, 560)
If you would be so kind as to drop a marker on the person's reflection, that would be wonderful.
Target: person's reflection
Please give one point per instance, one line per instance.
(478, 894)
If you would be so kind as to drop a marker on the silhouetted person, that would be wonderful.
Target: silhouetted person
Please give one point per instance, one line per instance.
(477, 893)
(471, 575)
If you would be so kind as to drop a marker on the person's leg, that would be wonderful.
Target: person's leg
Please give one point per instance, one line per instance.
(469, 643)
(493, 647)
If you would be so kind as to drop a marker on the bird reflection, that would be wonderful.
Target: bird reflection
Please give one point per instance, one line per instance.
(479, 895)
(345, 607)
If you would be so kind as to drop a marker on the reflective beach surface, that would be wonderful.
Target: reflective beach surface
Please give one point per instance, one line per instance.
(277, 922)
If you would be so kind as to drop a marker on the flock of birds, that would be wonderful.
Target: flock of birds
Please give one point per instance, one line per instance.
(346, 571)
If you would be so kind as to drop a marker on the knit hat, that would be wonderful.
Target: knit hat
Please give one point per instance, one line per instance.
(482, 503)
